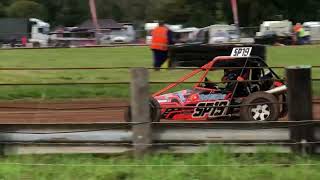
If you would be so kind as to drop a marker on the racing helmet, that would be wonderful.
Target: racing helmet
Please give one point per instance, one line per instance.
(230, 75)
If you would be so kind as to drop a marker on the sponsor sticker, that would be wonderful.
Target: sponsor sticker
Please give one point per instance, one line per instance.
(212, 109)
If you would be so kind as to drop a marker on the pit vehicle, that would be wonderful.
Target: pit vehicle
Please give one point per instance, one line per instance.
(313, 28)
(250, 91)
(272, 32)
(220, 34)
(13, 29)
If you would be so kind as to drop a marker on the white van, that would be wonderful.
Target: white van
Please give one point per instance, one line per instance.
(314, 30)
(279, 28)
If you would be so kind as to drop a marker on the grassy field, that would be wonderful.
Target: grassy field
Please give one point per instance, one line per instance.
(107, 57)
(166, 167)
(212, 165)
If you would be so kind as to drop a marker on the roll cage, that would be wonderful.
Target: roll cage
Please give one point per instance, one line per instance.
(255, 64)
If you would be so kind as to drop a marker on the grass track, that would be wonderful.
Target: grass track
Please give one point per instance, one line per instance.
(109, 57)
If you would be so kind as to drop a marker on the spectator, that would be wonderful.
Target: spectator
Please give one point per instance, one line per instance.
(303, 36)
(161, 38)
(24, 41)
(296, 30)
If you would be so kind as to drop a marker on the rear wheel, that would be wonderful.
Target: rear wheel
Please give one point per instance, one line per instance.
(36, 45)
(260, 106)
(155, 111)
(283, 106)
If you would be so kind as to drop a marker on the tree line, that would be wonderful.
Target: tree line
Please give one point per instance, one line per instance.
(197, 13)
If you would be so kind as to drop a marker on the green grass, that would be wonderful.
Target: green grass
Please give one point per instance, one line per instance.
(108, 57)
(165, 167)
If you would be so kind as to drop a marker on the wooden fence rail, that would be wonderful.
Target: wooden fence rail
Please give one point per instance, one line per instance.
(300, 134)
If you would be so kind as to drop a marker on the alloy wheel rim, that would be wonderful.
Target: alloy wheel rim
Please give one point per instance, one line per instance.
(261, 112)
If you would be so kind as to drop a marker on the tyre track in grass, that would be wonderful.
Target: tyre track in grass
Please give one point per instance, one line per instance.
(87, 111)
(62, 111)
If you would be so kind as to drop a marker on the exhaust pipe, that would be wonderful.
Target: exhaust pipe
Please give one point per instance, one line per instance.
(278, 90)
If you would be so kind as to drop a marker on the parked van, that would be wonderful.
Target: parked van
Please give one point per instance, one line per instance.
(314, 30)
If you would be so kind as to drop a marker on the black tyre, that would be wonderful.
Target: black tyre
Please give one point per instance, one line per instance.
(283, 106)
(36, 45)
(155, 111)
(127, 114)
(260, 106)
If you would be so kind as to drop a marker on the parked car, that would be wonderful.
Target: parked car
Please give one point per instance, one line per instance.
(125, 35)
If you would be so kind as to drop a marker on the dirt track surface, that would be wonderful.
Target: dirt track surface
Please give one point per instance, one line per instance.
(62, 112)
(71, 111)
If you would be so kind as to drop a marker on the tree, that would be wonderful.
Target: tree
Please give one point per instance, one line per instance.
(72, 12)
(2, 10)
(27, 9)
(110, 9)
(189, 12)
(192, 13)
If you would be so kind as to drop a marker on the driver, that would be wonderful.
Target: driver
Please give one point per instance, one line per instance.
(209, 84)
(234, 77)
(229, 75)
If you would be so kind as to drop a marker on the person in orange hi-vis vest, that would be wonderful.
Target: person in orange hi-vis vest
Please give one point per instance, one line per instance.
(296, 29)
(161, 39)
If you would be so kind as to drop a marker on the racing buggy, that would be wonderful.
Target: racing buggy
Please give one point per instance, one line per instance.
(251, 91)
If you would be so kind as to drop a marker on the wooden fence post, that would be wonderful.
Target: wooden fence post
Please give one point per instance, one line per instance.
(142, 127)
(299, 84)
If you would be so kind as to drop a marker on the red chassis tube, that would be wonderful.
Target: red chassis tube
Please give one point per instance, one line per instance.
(206, 68)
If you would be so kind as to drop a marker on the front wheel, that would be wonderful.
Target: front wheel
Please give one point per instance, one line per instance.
(260, 106)
(155, 111)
